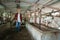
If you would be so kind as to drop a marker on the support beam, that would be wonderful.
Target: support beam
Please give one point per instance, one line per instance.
(54, 2)
(53, 8)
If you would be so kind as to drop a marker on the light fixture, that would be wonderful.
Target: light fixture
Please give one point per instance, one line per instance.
(58, 27)
(56, 13)
(32, 14)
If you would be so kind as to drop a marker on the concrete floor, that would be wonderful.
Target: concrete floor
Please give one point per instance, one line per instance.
(10, 34)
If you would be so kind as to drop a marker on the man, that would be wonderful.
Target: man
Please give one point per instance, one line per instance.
(18, 18)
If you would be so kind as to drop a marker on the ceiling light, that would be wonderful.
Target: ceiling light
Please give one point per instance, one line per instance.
(59, 28)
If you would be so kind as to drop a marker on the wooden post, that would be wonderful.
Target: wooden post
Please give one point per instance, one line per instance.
(40, 15)
(40, 18)
(35, 17)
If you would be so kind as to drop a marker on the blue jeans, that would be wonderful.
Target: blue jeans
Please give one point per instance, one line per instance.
(18, 25)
